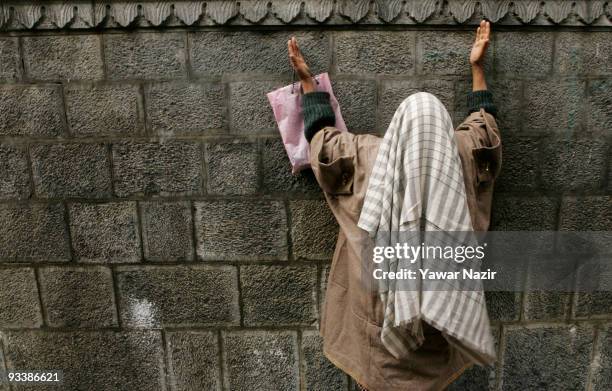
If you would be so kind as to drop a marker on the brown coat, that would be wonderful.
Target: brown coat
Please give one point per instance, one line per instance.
(352, 315)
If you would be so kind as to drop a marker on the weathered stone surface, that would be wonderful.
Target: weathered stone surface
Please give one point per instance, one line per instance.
(145, 55)
(277, 176)
(554, 105)
(241, 230)
(194, 362)
(386, 53)
(476, 378)
(104, 109)
(516, 213)
(14, 172)
(570, 163)
(586, 214)
(168, 168)
(181, 107)
(250, 109)
(31, 111)
(78, 297)
(34, 232)
(167, 231)
(319, 373)
(533, 356)
(71, 170)
(546, 305)
(19, 306)
(357, 99)
(261, 360)
(603, 364)
(599, 116)
(444, 53)
(233, 168)
(517, 53)
(521, 162)
(92, 360)
(279, 295)
(215, 53)
(395, 92)
(503, 306)
(593, 305)
(582, 52)
(171, 296)
(63, 57)
(314, 230)
(10, 63)
(105, 232)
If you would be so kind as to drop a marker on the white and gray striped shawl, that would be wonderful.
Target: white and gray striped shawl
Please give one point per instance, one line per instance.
(417, 184)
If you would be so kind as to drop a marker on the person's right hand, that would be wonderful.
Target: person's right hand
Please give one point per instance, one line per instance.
(297, 60)
(480, 44)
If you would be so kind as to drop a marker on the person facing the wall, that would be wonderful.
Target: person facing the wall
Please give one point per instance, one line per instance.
(390, 341)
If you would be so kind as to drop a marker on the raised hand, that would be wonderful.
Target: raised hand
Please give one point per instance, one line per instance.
(299, 65)
(480, 44)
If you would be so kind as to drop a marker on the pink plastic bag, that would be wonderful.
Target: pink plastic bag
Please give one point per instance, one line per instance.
(287, 106)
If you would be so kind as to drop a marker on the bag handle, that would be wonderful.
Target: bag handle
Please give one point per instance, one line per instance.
(293, 81)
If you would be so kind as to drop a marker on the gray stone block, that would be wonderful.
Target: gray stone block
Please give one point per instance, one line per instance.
(516, 213)
(91, 360)
(554, 105)
(167, 232)
(78, 297)
(250, 109)
(277, 176)
(241, 230)
(145, 55)
(31, 111)
(394, 92)
(521, 162)
(533, 358)
(319, 373)
(599, 98)
(602, 380)
(583, 53)
(178, 108)
(167, 168)
(573, 163)
(233, 168)
(19, 305)
(14, 172)
(261, 360)
(63, 57)
(105, 232)
(194, 361)
(34, 232)
(10, 63)
(216, 53)
(475, 378)
(314, 230)
(503, 306)
(546, 305)
(104, 109)
(444, 52)
(357, 99)
(586, 214)
(385, 53)
(524, 53)
(71, 170)
(178, 296)
(593, 305)
(279, 295)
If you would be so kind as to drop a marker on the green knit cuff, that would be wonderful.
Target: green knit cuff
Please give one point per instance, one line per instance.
(318, 113)
(483, 99)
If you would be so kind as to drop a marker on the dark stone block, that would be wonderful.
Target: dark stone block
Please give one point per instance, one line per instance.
(10, 63)
(19, 305)
(443, 53)
(71, 170)
(261, 360)
(516, 213)
(314, 230)
(172, 296)
(168, 168)
(93, 360)
(520, 162)
(274, 295)
(277, 176)
(357, 99)
(583, 53)
(594, 305)
(14, 172)
(167, 231)
(241, 230)
(233, 168)
(554, 105)
(546, 305)
(586, 214)
(602, 380)
(34, 232)
(599, 98)
(78, 297)
(516, 52)
(104, 109)
(503, 306)
(194, 362)
(319, 373)
(31, 111)
(105, 232)
(250, 109)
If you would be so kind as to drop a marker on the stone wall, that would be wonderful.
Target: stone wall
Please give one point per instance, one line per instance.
(152, 236)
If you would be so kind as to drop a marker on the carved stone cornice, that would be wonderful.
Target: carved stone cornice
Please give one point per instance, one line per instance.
(84, 14)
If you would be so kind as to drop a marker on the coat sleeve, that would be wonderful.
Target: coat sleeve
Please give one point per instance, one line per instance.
(332, 157)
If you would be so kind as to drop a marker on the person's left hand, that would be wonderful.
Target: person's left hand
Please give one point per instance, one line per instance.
(480, 44)
(297, 60)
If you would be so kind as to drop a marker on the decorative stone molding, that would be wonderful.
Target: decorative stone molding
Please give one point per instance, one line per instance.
(82, 14)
